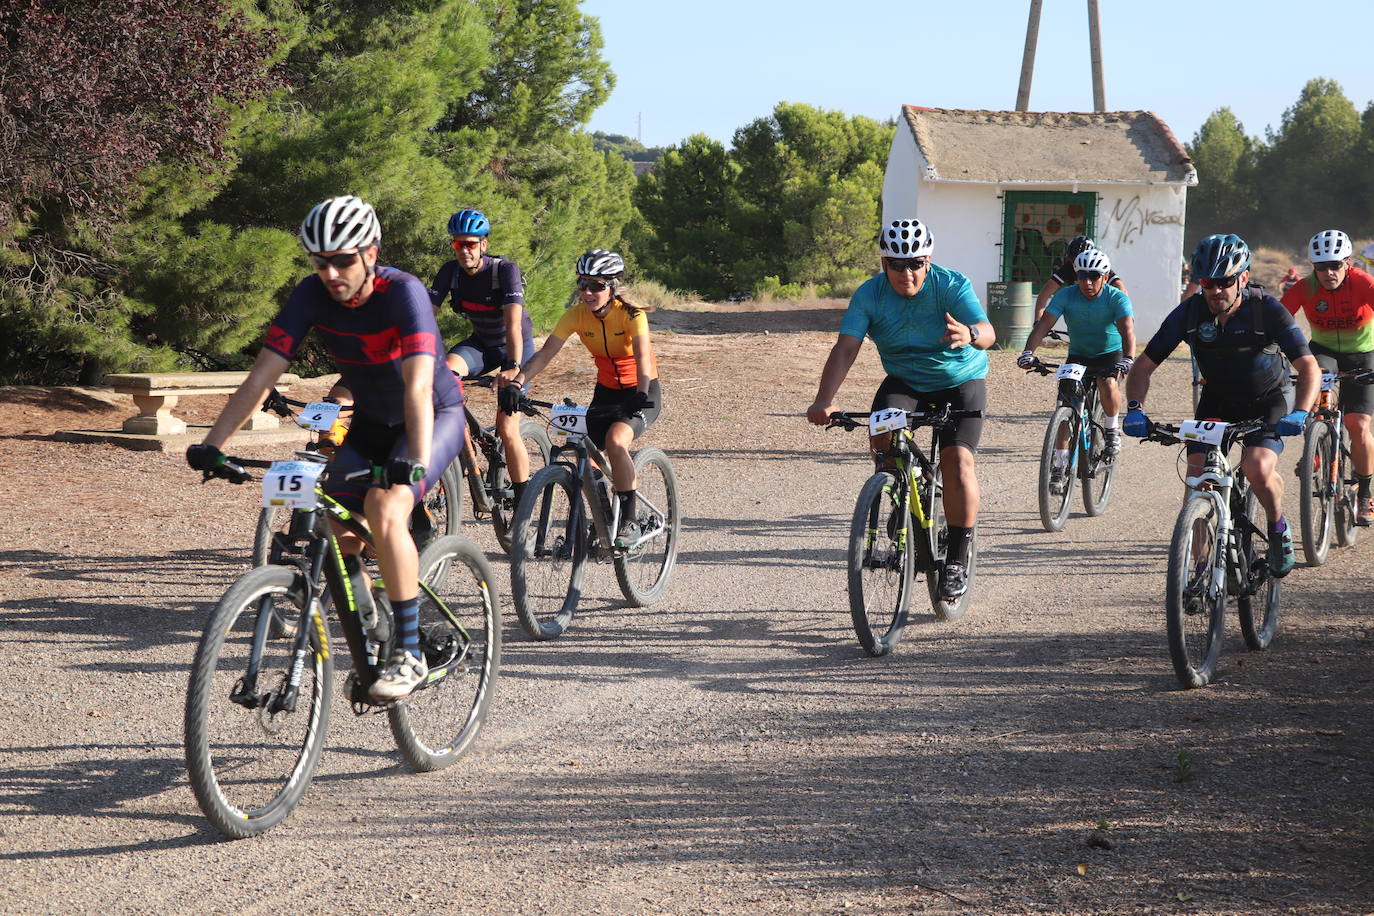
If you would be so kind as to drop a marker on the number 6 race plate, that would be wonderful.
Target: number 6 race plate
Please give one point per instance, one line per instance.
(569, 421)
(290, 484)
(319, 415)
(1209, 432)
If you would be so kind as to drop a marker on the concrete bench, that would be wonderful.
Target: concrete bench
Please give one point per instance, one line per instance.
(156, 393)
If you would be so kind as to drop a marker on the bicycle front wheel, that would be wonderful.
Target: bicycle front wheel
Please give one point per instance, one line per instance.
(537, 447)
(270, 521)
(1098, 471)
(1195, 595)
(548, 553)
(1259, 611)
(252, 745)
(1317, 495)
(643, 568)
(460, 634)
(881, 562)
(1054, 507)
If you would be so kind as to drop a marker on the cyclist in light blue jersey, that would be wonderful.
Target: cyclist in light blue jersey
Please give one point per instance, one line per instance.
(931, 333)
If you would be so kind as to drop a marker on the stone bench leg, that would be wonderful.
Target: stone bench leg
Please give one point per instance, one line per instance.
(154, 417)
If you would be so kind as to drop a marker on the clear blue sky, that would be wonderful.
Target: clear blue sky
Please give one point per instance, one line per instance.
(712, 66)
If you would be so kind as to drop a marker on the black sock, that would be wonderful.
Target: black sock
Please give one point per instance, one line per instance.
(956, 547)
(627, 504)
(1362, 481)
(518, 488)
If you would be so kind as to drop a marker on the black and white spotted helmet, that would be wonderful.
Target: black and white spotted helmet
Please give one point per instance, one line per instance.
(338, 224)
(1093, 259)
(600, 263)
(1329, 245)
(906, 238)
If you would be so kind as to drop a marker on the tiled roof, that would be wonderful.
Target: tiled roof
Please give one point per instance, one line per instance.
(1048, 146)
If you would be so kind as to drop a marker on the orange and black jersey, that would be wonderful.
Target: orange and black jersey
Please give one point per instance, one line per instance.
(610, 340)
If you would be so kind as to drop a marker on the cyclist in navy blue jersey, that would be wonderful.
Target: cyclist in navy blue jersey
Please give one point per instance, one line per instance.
(378, 325)
(490, 293)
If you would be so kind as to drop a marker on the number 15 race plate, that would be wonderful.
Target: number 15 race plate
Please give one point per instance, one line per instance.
(290, 484)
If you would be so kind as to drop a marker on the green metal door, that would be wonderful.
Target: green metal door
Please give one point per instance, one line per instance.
(1037, 227)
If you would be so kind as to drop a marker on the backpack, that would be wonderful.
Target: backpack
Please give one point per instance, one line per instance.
(1278, 371)
(496, 259)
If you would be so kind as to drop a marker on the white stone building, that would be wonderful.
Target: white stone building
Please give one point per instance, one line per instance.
(1004, 191)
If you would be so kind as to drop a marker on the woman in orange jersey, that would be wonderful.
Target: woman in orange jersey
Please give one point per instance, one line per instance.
(616, 333)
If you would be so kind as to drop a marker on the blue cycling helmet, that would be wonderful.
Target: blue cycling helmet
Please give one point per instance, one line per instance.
(1220, 256)
(469, 222)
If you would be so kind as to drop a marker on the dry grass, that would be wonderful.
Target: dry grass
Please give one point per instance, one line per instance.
(1268, 265)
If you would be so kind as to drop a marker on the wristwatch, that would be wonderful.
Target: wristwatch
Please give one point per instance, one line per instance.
(509, 364)
(1134, 405)
(973, 333)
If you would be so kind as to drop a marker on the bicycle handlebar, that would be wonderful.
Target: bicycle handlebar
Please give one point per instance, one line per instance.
(914, 420)
(1089, 372)
(1167, 433)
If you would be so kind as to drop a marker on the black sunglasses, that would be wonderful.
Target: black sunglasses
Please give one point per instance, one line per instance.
(911, 264)
(340, 261)
(594, 286)
(1090, 275)
(1226, 283)
(1329, 265)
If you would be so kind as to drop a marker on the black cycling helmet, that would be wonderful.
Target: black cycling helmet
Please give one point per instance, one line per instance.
(600, 263)
(1077, 245)
(1220, 256)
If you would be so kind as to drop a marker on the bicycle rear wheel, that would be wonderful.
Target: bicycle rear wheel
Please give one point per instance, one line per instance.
(1317, 494)
(1347, 532)
(1259, 612)
(460, 634)
(1054, 507)
(643, 570)
(1098, 471)
(250, 761)
(548, 553)
(537, 447)
(881, 563)
(1194, 607)
(441, 512)
(938, 541)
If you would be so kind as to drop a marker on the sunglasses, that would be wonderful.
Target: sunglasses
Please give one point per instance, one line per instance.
(338, 261)
(465, 244)
(593, 286)
(1329, 265)
(911, 264)
(1093, 275)
(1227, 283)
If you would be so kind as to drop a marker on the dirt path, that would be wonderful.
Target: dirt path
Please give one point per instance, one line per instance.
(731, 750)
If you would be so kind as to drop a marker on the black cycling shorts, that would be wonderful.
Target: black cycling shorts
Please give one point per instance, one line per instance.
(1104, 361)
(598, 426)
(371, 444)
(1269, 409)
(1356, 397)
(971, 395)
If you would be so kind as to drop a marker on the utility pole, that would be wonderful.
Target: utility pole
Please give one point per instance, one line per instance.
(1095, 43)
(1028, 57)
(639, 128)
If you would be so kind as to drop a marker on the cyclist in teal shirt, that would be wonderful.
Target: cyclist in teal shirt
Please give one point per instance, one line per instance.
(1101, 336)
(931, 333)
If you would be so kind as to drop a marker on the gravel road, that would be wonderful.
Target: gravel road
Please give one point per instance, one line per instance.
(732, 749)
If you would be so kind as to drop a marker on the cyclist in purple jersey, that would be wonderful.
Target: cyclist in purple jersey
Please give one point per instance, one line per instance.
(378, 326)
(489, 292)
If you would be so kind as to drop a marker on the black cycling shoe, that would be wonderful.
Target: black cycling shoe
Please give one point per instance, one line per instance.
(953, 582)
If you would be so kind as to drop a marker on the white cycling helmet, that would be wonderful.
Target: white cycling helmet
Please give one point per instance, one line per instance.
(340, 223)
(1093, 259)
(1329, 245)
(906, 238)
(600, 263)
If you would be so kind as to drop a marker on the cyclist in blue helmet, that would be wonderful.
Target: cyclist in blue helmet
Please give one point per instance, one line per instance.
(1242, 340)
(489, 292)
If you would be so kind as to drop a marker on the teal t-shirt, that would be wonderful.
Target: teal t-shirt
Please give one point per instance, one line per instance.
(1091, 322)
(907, 330)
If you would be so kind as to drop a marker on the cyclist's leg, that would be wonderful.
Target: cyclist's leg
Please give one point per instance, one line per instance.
(465, 357)
(1357, 401)
(958, 450)
(892, 393)
(508, 430)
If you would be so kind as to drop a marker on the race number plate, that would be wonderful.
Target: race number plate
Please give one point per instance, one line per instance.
(319, 416)
(885, 421)
(1208, 432)
(1328, 381)
(290, 484)
(1072, 371)
(569, 421)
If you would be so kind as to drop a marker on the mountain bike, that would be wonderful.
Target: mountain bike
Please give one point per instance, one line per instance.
(482, 462)
(893, 536)
(1326, 477)
(1076, 425)
(1218, 548)
(569, 513)
(437, 515)
(257, 706)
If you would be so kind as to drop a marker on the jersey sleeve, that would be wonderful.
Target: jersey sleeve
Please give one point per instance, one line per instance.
(1292, 299)
(512, 283)
(1064, 274)
(962, 302)
(639, 325)
(1169, 335)
(567, 324)
(440, 286)
(1057, 302)
(293, 322)
(414, 316)
(1285, 330)
(1121, 306)
(855, 320)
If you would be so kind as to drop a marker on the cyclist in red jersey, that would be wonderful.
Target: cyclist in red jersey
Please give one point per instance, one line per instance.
(1338, 301)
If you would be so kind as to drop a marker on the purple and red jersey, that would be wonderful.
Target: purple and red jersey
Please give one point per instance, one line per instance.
(482, 297)
(369, 343)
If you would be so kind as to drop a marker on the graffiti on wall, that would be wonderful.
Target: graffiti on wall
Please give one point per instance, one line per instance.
(1129, 219)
